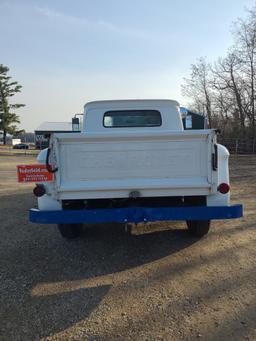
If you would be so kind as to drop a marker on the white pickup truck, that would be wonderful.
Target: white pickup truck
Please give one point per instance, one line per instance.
(134, 162)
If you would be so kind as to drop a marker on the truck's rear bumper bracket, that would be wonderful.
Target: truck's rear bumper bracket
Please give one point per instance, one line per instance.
(135, 214)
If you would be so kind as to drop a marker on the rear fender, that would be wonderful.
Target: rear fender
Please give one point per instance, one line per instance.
(219, 199)
(41, 157)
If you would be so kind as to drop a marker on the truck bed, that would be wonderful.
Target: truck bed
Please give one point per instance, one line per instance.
(165, 163)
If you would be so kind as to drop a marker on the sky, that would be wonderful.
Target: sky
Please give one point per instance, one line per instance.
(66, 53)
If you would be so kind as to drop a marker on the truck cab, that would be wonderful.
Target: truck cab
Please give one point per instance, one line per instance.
(134, 162)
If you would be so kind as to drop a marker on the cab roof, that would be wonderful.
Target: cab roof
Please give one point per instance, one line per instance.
(131, 104)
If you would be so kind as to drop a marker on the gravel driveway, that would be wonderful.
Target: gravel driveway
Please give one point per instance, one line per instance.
(158, 284)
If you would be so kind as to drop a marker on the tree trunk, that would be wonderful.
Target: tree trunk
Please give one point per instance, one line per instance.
(4, 137)
(238, 101)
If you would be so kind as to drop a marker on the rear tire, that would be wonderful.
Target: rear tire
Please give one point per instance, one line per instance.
(198, 228)
(70, 231)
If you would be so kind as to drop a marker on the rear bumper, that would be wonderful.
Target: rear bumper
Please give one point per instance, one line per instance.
(135, 214)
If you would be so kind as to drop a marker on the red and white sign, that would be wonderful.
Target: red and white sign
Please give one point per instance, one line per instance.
(33, 173)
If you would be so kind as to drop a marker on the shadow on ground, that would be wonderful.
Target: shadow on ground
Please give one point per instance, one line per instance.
(32, 254)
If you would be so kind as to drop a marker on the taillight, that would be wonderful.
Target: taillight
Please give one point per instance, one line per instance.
(39, 190)
(223, 188)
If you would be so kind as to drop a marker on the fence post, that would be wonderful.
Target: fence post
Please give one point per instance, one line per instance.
(236, 146)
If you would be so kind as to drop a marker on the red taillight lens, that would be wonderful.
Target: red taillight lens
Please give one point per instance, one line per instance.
(39, 190)
(223, 188)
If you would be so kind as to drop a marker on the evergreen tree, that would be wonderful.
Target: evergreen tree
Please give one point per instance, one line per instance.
(8, 119)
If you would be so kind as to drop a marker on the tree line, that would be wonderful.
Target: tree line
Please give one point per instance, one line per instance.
(225, 90)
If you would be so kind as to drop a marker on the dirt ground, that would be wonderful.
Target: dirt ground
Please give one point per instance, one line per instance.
(157, 285)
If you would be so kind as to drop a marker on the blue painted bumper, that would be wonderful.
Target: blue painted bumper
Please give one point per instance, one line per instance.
(135, 214)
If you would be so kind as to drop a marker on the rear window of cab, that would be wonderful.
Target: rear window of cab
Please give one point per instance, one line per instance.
(132, 118)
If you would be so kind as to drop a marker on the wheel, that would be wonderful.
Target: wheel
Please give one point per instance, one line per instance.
(198, 228)
(70, 231)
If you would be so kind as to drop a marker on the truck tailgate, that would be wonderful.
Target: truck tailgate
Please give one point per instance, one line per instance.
(111, 166)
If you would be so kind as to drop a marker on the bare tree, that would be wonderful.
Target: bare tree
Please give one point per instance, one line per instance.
(226, 90)
(198, 88)
(229, 86)
(245, 41)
